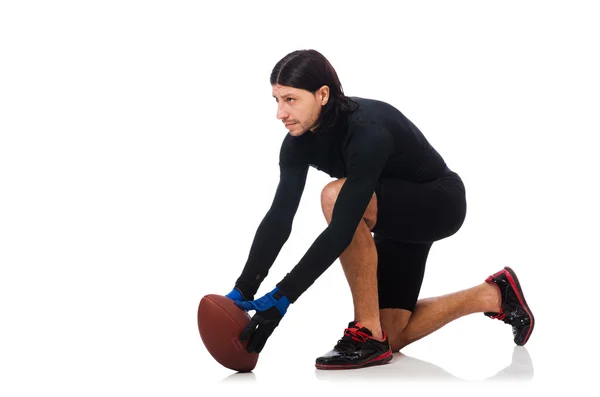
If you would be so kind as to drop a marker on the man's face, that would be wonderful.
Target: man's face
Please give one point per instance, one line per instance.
(299, 109)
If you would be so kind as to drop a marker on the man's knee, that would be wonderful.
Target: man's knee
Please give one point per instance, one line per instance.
(329, 196)
(396, 342)
(394, 322)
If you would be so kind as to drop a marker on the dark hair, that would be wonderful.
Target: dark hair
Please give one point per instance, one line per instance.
(310, 70)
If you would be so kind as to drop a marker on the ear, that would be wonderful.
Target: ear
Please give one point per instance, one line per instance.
(323, 95)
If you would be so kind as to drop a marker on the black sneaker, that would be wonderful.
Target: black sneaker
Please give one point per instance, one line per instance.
(514, 309)
(356, 349)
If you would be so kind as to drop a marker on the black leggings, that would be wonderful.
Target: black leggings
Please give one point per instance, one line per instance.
(410, 218)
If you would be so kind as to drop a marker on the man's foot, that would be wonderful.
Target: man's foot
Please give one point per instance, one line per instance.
(513, 309)
(356, 349)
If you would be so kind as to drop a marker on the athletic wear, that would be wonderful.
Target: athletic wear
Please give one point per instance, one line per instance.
(356, 349)
(410, 217)
(378, 150)
(270, 309)
(420, 212)
(514, 309)
(400, 272)
(236, 295)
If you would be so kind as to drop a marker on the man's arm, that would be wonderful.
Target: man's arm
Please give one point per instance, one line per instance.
(276, 226)
(366, 157)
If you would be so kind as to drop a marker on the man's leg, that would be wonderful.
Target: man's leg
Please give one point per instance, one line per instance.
(400, 271)
(359, 262)
(431, 314)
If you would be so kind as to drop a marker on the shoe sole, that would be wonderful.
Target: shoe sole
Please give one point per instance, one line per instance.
(514, 282)
(379, 360)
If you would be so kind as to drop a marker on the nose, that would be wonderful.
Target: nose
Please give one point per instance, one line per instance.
(281, 113)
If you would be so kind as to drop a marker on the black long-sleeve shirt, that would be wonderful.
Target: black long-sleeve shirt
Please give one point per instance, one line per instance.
(376, 140)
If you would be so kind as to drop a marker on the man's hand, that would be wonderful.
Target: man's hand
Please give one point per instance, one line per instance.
(270, 309)
(236, 295)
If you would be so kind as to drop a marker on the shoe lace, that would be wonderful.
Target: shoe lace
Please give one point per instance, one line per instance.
(352, 340)
(510, 317)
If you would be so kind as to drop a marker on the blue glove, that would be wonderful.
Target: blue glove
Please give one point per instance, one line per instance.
(270, 309)
(236, 295)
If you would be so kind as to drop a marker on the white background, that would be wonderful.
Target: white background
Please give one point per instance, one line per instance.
(138, 154)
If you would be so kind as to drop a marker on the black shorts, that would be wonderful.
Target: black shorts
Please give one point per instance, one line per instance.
(410, 217)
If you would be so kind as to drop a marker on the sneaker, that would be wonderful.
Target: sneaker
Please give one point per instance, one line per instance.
(514, 309)
(356, 349)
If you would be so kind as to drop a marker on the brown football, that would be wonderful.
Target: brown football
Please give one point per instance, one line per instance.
(220, 323)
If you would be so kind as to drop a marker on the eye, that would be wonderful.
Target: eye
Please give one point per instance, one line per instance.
(291, 99)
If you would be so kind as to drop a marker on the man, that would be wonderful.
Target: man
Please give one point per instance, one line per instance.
(392, 183)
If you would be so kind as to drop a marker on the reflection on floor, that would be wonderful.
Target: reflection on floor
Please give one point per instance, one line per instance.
(407, 368)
